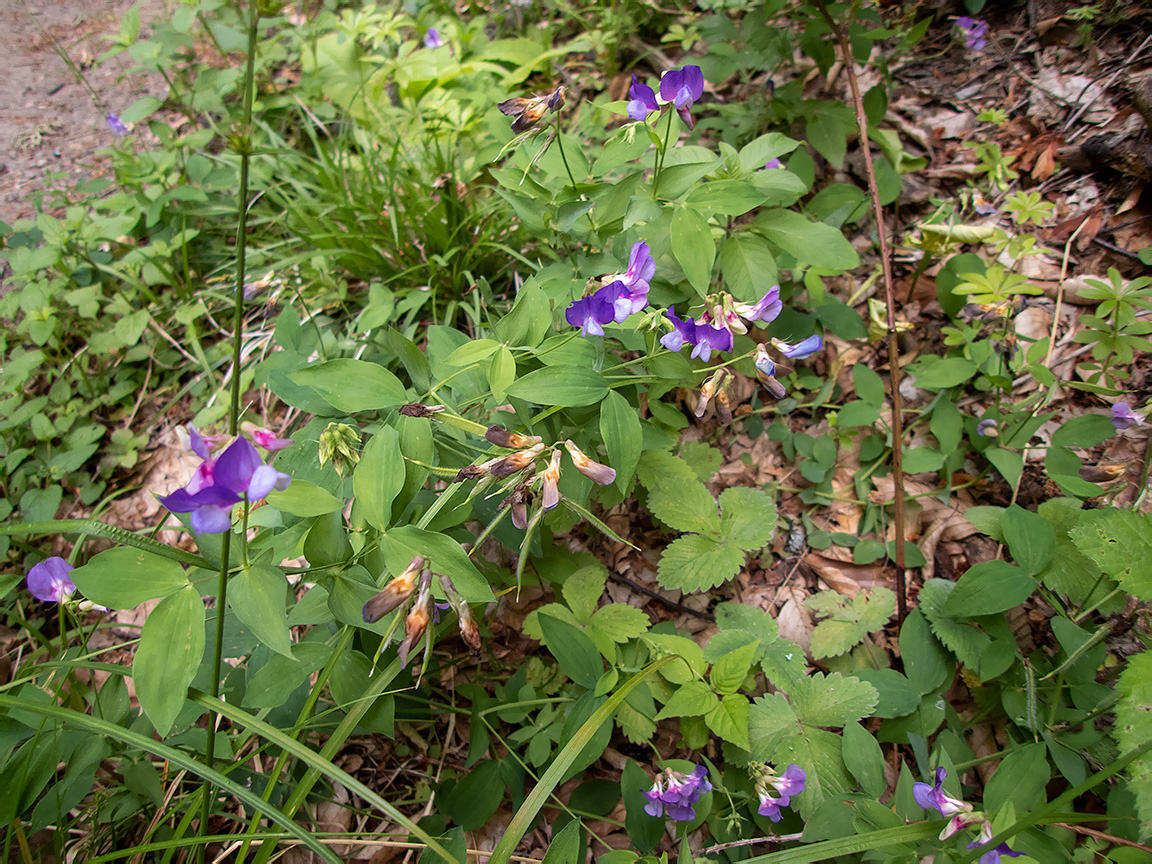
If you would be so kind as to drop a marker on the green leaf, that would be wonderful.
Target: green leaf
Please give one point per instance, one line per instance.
(501, 373)
(622, 434)
(257, 595)
(760, 151)
(1134, 728)
(170, 651)
(690, 700)
(1087, 430)
(729, 671)
(582, 591)
(725, 198)
(833, 700)
(305, 499)
(864, 759)
(994, 586)
(947, 424)
(565, 845)
(685, 504)
(352, 385)
(473, 352)
(748, 266)
(811, 242)
(966, 641)
(925, 662)
(849, 619)
(620, 622)
(869, 386)
(920, 459)
(696, 563)
(729, 719)
(564, 386)
(1118, 542)
(693, 247)
(857, 413)
(122, 578)
(1020, 780)
(573, 650)
(939, 373)
(1009, 463)
(749, 517)
(1031, 539)
(690, 666)
(644, 831)
(379, 477)
(1072, 573)
(896, 696)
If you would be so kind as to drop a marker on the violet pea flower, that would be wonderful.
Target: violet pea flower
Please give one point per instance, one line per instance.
(632, 294)
(117, 125)
(674, 794)
(709, 339)
(766, 310)
(683, 333)
(973, 31)
(590, 314)
(1123, 416)
(642, 100)
(773, 164)
(988, 428)
(992, 856)
(238, 473)
(682, 87)
(432, 38)
(958, 813)
(790, 783)
(266, 438)
(49, 581)
(804, 348)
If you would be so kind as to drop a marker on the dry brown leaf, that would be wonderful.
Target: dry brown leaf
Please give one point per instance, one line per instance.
(793, 620)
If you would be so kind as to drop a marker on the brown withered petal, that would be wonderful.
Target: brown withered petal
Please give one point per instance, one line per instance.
(415, 409)
(550, 495)
(594, 471)
(395, 593)
(468, 629)
(774, 387)
(471, 472)
(415, 625)
(724, 406)
(501, 437)
(518, 503)
(514, 462)
(702, 402)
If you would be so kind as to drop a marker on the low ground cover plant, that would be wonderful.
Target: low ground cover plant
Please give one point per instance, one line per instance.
(558, 439)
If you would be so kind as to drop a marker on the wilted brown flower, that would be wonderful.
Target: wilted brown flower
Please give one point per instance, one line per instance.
(594, 471)
(395, 592)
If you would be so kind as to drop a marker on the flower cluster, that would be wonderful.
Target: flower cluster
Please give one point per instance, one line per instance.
(621, 295)
(679, 88)
(518, 467)
(432, 38)
(788, 784)
(225, 479)
(960, 815)
(973, 31)
(1123, 416)
(416, 579)
(675, 794)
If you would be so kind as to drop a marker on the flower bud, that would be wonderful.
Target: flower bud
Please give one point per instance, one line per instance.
(594, 471)
(395, 593)
(340, 443)
(501, 437)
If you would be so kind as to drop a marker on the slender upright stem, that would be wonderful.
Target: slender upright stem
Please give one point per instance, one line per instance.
(660, 157)
(245, 149)
(890, 301)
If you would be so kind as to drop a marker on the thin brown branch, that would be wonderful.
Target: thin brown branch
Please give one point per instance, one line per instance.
(890, 301)
(1100, 835)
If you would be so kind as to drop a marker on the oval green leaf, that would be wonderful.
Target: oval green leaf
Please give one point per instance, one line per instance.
(564, 386)
(352, 385)
(121, 578)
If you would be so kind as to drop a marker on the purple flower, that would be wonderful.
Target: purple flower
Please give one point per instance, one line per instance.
(974, 32)
(432, 38)
(801, 349)
(634, 282)
(590, 314)
(234, 475)
(992, 856)
(116, 124)
(674, 794)
(988, 428)
(790, 783)
(266, 438)
(958, 813)
(703, 337)
(49, 580)
(765, 311)
(763, 362)
(643, 100)
(773, 163)
(682, 87)
(1123, 416)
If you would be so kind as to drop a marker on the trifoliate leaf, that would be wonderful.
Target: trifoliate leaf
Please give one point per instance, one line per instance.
(833, 700)
(704, 459)
(1071, 573)
(749, 517)
(849, 619)
(582, 591)
(1118, 542)
(695, 562)
(620, 622)
(531, 625)
(684, 504)
(755, 623)
(691, 700)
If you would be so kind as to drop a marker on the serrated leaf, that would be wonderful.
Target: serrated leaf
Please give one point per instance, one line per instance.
(850, 620)
(663, 644)
(531, 625)
(636, 727)
(833, 700)
(582, 591)
(729, 671)
(753, 623)
(784, 663)
(727, 641)
(966, 641)
(691, 700)
(620, 622)
(656, 465)
(1118, 542)
(684, 504)
(748, 517)
(696, 563)
(1133, 728)
(729, 719)
(1071, 573)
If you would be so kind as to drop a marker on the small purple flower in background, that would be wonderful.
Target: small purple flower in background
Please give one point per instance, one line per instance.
(116, 124)
(49, 581)
(765, 311)
(266, 439)
(763, 362)
(973, 31)
(992, 856)
(432, 38)
(773, 163)
(590, 314)
(802, 349)
(988, 428)
(642, 100)
(1123, 416)
(682, 87)
(790, 783)
(675, 794)
(958, 813)
(236, 474)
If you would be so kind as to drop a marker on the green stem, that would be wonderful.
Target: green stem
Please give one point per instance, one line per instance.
(233, 415)
(660, 157)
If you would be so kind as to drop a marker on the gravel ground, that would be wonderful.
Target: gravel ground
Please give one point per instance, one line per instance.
(51, 121)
